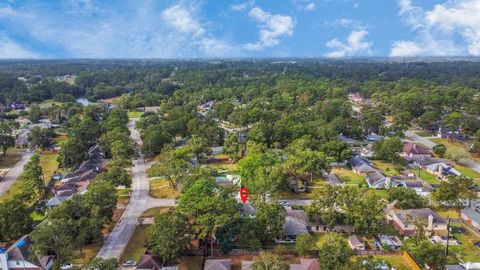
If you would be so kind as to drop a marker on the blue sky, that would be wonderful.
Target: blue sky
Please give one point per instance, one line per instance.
(238, 28)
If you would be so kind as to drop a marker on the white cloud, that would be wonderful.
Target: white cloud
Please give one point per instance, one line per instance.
(272, 28)
(180, 18)
(354, 45)
(242, 6)
(10, 50)
(304, 5)
(310, 6)
(437, 29)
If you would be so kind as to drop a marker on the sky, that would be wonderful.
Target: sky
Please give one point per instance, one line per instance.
(58, 29)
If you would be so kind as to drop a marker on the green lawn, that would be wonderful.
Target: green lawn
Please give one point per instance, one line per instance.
(124, 192)
(13, 156)
(453, 145)
(348, 176)
(220, 166)
(48, 103)
(135, 114)
(159, 188)
(49, 163)
(446, 212)
(398, 262)
(468, 172)
(155, 211)
(427, 177)
(137, 245)
(89, 252)
(424, 133)
(466, 251)
(37, 216)
(386, 167)
(322, 238)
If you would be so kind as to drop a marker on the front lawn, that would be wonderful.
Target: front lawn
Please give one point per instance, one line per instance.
(322, 238)
(135, 114)
(398, 262)
(424, 133)
(159, 188)
(468, 172)
(137, 245)
(348, 176)
(452, 145)
(427, 177)
(13, 156)
(386, 167)
(446, 212)
(88, 253)
(155, 211)
(466, 251)
(49, 163)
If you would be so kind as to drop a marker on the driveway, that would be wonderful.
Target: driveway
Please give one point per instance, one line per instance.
(140, 201)
(14, 173)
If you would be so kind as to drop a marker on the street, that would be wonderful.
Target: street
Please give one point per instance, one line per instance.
(14, 173)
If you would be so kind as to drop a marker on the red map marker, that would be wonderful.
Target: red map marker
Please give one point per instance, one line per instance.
(244, 194)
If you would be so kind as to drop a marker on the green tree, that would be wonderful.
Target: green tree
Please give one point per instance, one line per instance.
(122, 151)
(33, 174)
(304, 244)
(367, 214)
(7, 139)
(269, 261)
(72, 153)
(452, 121)
(335, 254)
(154, 139)
(455, 190)
(339, 151)
(105, 141)
(271, 216)
(430, 254)
(224, 108)
(117, 176)
(15, 219)
(232, 147)
(54, 237)
(168, 236)
(101, 264)
(406, 198)
(324, 206)
(34, 113)
(42, 138)
(457, 154)
(174, 164)
(199, 149)
(101, 199)
(440, 150)
(388, 149)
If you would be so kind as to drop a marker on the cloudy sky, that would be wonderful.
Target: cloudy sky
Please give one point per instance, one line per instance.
(238, 28)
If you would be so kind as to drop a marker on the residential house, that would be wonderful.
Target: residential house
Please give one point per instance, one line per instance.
(17, 105)
(360, 164)
(248, 210)
(150, 262)
(471, 216)
(442, 171)
(415, 152)
(380, 181)
(18, 256)
(208, 105)
(416, 185)
(21, 140)
(346, 139)
(373, 137)
(56, 201)
(218, 264)
(389, 241)
(315, 225)
(306, 264)
(355, 242)
(463, 266)
(404, 221)
(295, 225)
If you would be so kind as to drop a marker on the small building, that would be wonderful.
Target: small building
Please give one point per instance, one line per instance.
(442, 171)
(294, 226)
(355, 242)
(248, 210)
(19, 257)
(17, 105)
(380, 181)
(404, 221)
(414, 151)
(360, 164)
(471, 216)
(306, 264)
(373, 137)
(150, 262)
(218, 264)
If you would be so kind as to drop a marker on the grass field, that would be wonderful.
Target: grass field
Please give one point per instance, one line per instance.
(159, 188)
(424, 133)
(137, 245)
(427, 177)
(398, 262)
(386, 167)
(466, 251)
(49, 163)
(219, 166)
(13, 156)
(468, 172)
(322, 238)
(48, 103)
(348, 176)
(155, 211)
(89, 252)
(447, 212)
(37, 216)
(135, 114)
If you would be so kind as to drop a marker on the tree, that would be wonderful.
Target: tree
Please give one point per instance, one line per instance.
(454, 191)
(334, 254)
(33, 174)
(388, 149)
(269, 261)
(304, 244)
(101, 199)
(452, 121)
(116, 118)
(302, 159)
(168, 236)
(232, 147)
(250, 234)
(457, 154)
(117, 176)
(118, 134)
(199, 149)
(15, 219)
(101, 264)
(7, 139)
(224, 108)
(54, 237)
(34, 114)
(87, 130)
(440, 150)
(72, 153)
(430, 254)
(154, 138)
(339, 151)
(406, 198)
(122, 151)
(208, 207)
(324, 207)
(271, 217)
(41, 137)
(174, 164)
(367, 214)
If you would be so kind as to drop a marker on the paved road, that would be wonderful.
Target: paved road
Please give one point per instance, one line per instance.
(425, 141)
(139, 202)
(14, 173)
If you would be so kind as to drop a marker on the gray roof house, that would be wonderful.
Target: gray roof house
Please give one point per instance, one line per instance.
(464, 266)
(295, 225)
(442, 170)
(355, 242)
(19, 256)
(471, 216)
(218, 264)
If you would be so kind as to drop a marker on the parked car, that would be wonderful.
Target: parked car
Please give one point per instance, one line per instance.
(284, 203)
(66, 266)
(129, 263)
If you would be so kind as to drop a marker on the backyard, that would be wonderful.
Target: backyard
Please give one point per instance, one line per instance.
(466, 251)
(348, 176)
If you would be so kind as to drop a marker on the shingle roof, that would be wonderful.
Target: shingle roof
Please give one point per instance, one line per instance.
(409, 215)
(218, 264)
(471, 214)
(411, 148)
(295, 222)
(358, 160)
(149, 262)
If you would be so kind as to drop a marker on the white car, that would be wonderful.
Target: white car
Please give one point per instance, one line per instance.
(66, 266)
(129, 263)
(284, 203)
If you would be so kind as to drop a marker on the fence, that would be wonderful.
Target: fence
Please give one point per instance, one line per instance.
(378, 252)
(411, 261)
